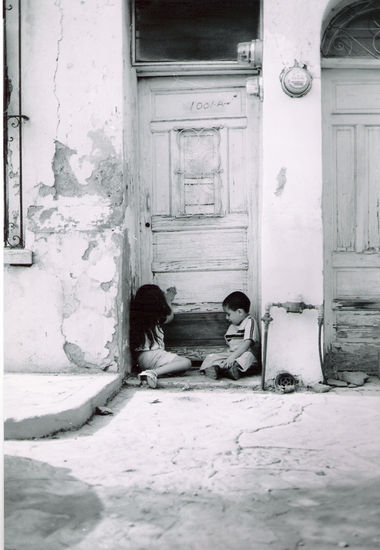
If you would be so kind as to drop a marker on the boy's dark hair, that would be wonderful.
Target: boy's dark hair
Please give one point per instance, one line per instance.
(237, 300)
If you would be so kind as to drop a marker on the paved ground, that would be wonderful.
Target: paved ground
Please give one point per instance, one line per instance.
(208, 469)
(36, 405)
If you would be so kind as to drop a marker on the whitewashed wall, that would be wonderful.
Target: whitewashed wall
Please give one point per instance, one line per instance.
(66, 311)
(292, 235)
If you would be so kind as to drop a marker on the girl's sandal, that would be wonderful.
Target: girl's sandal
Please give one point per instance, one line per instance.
(150, 378)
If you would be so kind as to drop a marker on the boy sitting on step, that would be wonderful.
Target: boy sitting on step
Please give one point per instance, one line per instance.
(240, 337)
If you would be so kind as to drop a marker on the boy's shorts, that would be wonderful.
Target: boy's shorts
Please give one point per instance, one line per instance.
(245, 361)
(155, 358)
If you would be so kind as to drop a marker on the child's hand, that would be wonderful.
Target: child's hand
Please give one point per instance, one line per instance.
(170, 293)
(229, 362)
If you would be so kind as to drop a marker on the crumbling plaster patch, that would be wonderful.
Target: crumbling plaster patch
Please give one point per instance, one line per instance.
(90, 330)
(46, 214)
(281, 182)
(76, 356)
(76, 172)
(101, 195)
(102, 145)
(87, 259)
(91, 246)
(91, 314)
(105, 180)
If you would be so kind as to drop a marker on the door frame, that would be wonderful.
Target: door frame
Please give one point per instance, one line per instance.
(254, 141)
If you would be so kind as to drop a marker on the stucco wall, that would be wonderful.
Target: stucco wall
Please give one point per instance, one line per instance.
(65, 311)
(292, 236)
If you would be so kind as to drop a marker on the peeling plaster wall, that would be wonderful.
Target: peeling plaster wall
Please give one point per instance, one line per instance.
(80, 188)
(292, 237)
(65, 312)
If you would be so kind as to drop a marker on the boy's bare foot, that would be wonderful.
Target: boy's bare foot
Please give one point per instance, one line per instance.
(233, 371)
(212, 372)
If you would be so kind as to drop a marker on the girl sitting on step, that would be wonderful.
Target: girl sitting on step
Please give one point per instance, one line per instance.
(150, 310)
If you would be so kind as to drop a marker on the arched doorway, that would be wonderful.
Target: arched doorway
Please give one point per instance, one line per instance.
(351, 205)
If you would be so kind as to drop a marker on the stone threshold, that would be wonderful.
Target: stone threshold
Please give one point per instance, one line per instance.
(194, 380)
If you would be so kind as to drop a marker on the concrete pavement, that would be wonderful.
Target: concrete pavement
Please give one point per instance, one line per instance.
(37, 405)
(203, 470)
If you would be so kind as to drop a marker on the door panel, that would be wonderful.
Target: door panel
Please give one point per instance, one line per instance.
(174, 102)
(180, 250)
(351, 101)
(199, 188)
(207, 286)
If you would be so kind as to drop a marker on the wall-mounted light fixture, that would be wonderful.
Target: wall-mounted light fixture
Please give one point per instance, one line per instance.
(251, 53)
(254, 86)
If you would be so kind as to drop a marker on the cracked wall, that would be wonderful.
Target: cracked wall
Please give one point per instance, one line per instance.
(66, 312)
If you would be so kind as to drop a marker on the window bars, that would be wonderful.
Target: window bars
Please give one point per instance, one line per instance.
(354, 32)
(12, 122)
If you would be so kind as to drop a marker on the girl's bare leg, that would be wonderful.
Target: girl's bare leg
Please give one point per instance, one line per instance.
(177, 365)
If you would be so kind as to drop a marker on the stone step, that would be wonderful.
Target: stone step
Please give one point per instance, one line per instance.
(39, 405)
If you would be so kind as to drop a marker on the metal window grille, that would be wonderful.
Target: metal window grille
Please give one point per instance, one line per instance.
(12, 122)
(354, 32)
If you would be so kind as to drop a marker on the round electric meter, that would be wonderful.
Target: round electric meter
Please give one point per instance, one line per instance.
(296, 81)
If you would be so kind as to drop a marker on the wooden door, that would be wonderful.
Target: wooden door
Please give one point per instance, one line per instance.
(351, 103)
(198, 158)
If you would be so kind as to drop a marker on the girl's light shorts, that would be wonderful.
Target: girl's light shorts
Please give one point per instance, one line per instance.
(155, 358)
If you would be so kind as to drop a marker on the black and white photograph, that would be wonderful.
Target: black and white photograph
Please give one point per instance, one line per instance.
(191, 274)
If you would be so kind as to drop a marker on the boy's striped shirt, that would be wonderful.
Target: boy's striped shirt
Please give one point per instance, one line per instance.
(247, 330)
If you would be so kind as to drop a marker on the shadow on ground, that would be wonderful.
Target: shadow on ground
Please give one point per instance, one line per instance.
(45, 507)
(298, 517)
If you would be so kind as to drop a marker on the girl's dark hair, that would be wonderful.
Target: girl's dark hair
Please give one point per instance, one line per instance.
(237, 300)
(149, 308)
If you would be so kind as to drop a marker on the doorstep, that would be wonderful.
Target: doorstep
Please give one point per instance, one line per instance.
(194, 380)
(38, 405)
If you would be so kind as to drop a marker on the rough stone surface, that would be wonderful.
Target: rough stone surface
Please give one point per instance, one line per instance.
(37, 405)
(337, 383)
(203, 470)
(320, 388)
(357, 378)
(194, 380)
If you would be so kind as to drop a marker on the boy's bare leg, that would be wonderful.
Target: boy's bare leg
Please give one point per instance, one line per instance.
(177, 365)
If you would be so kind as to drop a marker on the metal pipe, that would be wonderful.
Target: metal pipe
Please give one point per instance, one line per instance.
(320, 325)
(267, 319)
